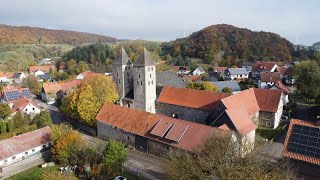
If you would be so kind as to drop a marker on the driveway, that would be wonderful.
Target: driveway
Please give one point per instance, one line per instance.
(56, 115)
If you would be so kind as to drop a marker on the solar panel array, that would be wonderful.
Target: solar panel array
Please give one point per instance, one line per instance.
(14, 95)
(305, 140)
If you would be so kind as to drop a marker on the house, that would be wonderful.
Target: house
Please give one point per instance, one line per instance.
(285, 91)
(233, 85)
(288, 76)
(188, 104)
(181, 70)
(219, 70)
(52, 91)
(85, 75)
(25, 106)
(24, 146)
(302, 142)
(18, 77)
(63, 68)
(6, 77)
(248, 68)
(198, 71)
(44, 77)
(237, 74)
(13, 93)
(262, 66)
(171, 78)
(263, 107)
(41, 70)
(267, 79)
(45, 61)
(151, 133)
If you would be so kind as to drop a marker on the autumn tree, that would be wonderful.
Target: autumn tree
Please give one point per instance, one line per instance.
(226, 90)
(219, 158)
(308, 79)
(42, 119)
(58, 131)
(114, 155)
(86, 100)
(33, 84)
(66, 148)
(207, 86)
(4, 111)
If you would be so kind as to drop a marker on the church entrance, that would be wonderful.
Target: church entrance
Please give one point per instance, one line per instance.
(141, 144)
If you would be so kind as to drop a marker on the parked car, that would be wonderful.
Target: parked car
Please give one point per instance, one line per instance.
(284, 118)
(120, 178)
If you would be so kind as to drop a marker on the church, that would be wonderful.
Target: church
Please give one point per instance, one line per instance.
(136, 82)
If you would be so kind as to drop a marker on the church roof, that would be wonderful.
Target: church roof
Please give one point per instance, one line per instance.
(122, 58)
(144, 59)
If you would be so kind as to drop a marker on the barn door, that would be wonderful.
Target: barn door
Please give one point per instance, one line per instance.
(141, 144)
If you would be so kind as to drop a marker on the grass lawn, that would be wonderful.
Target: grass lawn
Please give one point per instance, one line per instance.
(269, 133)
(33, 173)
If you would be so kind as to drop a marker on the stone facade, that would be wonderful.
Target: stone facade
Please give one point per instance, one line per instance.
(190, 114)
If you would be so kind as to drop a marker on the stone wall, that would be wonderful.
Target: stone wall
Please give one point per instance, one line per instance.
(159, 149)
(190, 114)
(266, 119)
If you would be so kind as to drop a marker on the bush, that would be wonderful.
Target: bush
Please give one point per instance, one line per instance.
(114, 155)
(10, 126)
(3, 127)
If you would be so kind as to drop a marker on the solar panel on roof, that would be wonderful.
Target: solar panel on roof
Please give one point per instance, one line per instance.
(305, 140)
(26, 93)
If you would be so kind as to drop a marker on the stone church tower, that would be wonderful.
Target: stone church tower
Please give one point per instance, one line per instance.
(136, 83)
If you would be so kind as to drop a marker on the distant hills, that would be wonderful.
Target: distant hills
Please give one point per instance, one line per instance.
(316, 46)
(31, 35)
(236, 45)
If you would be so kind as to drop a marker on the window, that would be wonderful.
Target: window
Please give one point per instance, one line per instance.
(128, 137)
(149, 83)
(128, 105)
(13, 158)
(152, 82)
(129, 67)
(152, 69)
(148, 69)
(139, 75)
(44, 146)
(26, 153)
(137, 82)
(141, 83)
(26, 109)
(127, 73)
(33, 150)
(125, 68)
(50, 144)
(33, 109)
(5, 161)
(268, 124)
(150, 75)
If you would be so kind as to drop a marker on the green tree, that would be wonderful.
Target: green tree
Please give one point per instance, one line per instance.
(114, 155)
(3, 127)
(42, 119)
(81, 67)
(33, 84)
(86, 100)
(4, 111)
(9, 125)
(207, 86)
(226, 90)
(18, 120)
(307, 74)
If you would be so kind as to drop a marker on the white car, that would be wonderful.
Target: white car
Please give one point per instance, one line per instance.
(284, 118)
(120, 178)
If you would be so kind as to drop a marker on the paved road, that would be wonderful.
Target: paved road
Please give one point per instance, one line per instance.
(26, 164)
(55, 113)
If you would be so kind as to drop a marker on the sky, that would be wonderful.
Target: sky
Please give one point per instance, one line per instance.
(164, 20)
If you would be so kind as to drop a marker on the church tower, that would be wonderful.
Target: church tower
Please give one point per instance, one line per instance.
(122, 69)
(144, 82)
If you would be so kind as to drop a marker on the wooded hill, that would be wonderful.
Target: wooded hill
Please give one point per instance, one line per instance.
(31, 35)
(218, 43)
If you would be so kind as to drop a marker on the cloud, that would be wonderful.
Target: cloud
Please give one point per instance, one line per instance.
(166, 19)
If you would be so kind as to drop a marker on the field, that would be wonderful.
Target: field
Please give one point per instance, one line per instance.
(17, 57)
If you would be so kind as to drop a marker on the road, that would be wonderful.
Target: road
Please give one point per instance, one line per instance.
(54, 111)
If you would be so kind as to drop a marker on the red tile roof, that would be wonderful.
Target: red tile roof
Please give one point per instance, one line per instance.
(217, 68)
(21, 103)
(268, 99)
(54, 87)
(297, 156)
(241, 120)
(191, 98)
(282, 69)
(264, 66)
(24, 142)
(270, 77)
(195, 78)
(143, 123)
(289, 72)
(42, 68)
(8, 75)
(282, 87)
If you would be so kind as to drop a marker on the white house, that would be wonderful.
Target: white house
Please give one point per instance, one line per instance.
(261, 66)
(24, 146)
(41, 70)
(268, 79)
(25, 106)
(6, 77)
(198, 71)
(237, 74)
(19, 77)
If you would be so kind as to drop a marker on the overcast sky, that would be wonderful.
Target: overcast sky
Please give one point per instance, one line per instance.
(162, 20)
